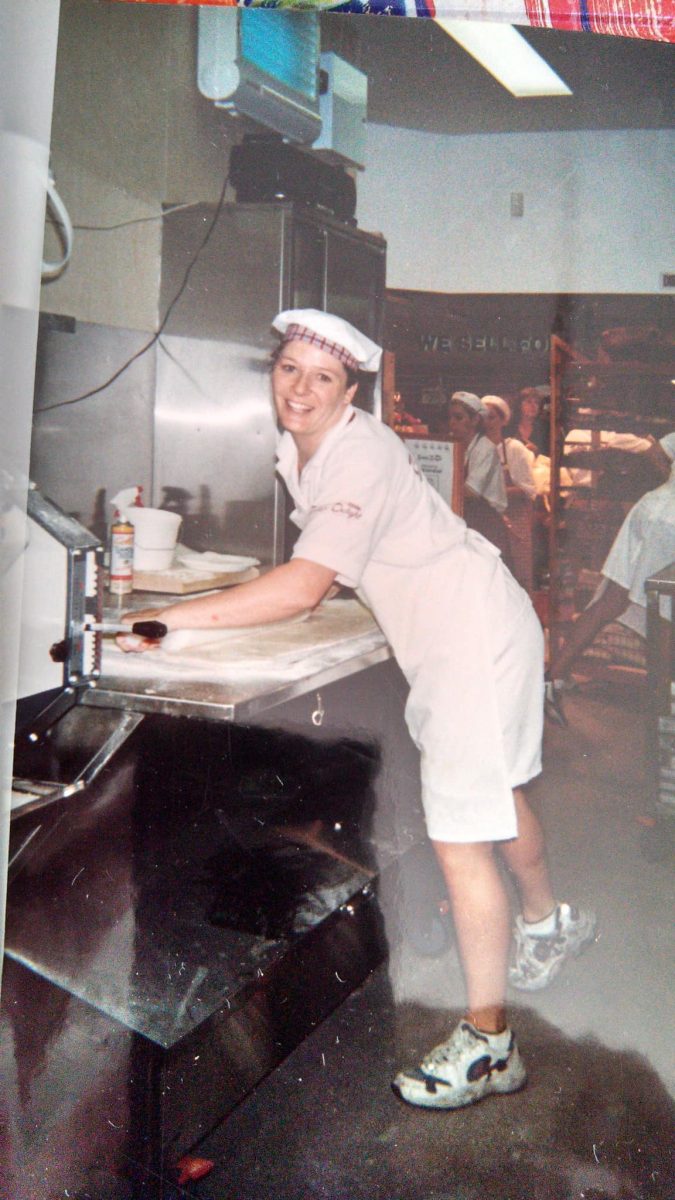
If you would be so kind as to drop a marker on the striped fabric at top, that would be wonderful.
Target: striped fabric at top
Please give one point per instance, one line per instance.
(299, 333)
(653, 19)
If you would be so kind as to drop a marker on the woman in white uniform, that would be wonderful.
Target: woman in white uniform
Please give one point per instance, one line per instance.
(644, 545)
(470, 646)
(485, 497)
(482, 474)
(521, 489)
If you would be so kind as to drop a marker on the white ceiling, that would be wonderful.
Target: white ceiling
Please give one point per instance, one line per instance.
(419, 78)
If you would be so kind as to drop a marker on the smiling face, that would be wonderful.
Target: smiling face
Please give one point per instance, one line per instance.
(311, 391)
(462, 422)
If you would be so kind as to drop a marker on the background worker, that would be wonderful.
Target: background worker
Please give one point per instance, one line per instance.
(644, 545)
(485, 498)
(521, 489)
(528, 420)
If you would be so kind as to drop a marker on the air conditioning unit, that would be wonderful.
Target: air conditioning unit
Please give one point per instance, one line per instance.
(343, 108)
(263, 64)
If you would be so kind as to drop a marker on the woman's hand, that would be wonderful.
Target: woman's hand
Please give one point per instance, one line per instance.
(132, 643)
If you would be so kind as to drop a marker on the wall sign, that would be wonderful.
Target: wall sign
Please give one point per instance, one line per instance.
(481, 343)
(435, 460)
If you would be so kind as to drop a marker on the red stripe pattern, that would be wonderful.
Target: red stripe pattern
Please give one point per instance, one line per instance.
(653, 19)
(300, 333)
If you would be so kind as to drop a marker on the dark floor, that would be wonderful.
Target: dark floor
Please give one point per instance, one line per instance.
(596, 1120)
(592, 1122)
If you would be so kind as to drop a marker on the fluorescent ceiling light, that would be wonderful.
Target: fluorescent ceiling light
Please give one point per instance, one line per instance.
(507, 56)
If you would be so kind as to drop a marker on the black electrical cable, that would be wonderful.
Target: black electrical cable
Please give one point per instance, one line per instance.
(156, 336)
(135, 220)
(131, 220)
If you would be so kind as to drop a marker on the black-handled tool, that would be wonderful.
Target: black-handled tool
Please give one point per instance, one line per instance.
(153, 630)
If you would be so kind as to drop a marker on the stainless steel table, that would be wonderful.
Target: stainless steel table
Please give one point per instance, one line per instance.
(315, 663)
(338, 640)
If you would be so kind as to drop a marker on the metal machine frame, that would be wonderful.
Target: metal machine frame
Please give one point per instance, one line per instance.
(80, 576)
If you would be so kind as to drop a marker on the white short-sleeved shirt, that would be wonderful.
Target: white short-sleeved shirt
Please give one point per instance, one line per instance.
(519, 461)
(644, 545)
(462, 630)
(483, 472)
(366, 505)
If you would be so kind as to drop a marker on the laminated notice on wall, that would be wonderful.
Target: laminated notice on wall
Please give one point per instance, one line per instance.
(438, 463)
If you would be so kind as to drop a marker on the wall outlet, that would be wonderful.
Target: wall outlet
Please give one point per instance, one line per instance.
(517, 204)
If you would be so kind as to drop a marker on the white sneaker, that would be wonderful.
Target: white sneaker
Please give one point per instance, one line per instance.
(538, 959)
(469, 1066)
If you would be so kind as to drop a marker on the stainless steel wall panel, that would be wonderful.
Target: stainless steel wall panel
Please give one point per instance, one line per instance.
(236, 285)
(355, 280)
(215, 439)
(307, 273)
(83, 453)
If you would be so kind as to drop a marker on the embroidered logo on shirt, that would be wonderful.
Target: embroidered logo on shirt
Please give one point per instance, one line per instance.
(350, 510)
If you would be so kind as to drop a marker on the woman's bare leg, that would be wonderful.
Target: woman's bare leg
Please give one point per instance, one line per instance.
(525, 856)
(481, 910)
(481, 913)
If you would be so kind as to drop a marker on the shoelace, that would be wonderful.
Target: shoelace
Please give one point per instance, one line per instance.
(450, 1052)
(551, 942)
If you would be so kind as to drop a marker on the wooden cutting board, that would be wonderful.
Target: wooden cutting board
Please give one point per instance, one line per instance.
(180, 581)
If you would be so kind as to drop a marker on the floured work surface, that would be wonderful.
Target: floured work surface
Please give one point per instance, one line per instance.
(239, 672)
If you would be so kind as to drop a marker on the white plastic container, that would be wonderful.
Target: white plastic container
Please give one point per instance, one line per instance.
(155, 537)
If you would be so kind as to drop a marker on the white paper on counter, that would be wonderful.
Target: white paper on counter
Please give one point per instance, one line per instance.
(210, 562)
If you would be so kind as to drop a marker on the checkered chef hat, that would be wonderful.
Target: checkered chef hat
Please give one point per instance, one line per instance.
(329, 333)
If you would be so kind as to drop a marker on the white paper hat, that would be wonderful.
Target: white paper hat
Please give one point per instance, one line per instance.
(498, 402)
(329, 333)
(470, 400)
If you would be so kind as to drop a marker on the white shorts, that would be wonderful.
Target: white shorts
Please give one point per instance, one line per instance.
(475, 708)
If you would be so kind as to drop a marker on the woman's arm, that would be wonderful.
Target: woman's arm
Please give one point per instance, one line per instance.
(283, 592)
(659, 456)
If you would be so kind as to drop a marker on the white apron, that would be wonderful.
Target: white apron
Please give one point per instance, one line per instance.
(463, 631)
